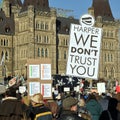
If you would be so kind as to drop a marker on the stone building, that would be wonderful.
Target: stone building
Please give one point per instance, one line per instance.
(32, 30)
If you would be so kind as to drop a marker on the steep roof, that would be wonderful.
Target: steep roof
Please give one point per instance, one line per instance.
(63, 24)
(102, 8)
(38, 4)
(7, 24)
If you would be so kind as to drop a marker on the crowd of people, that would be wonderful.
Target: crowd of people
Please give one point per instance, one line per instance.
(63, 106)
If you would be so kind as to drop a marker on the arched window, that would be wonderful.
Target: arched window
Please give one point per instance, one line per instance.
(6, 42)
(64, 42)
(42, 52)
(38, 52)
(105, 72)
(112, 72)
(46, 26)
(2, 54)
(65, 55)
(111, 58)
(42, 26)
(46, 52)
(2, 42)
(105, 58)
(6, 55)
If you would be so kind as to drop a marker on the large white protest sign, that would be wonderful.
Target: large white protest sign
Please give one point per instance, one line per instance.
(84, 49)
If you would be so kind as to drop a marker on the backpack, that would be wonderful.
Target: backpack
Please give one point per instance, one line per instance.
(43, 116)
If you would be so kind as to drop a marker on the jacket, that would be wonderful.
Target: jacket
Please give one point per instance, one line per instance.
(39, 112)
(11, 109)
(94, 108)
(111, 112)
(69, 115)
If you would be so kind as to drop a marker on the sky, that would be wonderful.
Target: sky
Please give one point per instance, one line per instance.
(80, 7)
(77, 8)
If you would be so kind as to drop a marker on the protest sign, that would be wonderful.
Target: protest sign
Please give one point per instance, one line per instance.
(84, 49)
(39, 77)
(101, 88)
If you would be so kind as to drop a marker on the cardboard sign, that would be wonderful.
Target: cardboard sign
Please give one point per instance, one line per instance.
(34, 71)
(101, 88)
(34, 88)
(45, 71)
(39, 77)
(46, 90)
(84, 51)
(22, 89)
(66, 89)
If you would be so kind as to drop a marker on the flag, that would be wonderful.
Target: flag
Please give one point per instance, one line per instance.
(2, 60)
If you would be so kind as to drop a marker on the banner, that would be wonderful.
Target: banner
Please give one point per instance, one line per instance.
(84, 49)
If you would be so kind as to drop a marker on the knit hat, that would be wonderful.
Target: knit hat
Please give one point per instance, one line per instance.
(69, 102)
(37, 98)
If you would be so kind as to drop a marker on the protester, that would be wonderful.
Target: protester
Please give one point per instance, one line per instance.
(94, 107)
(82, 111)
(37, 110)
(104, 101)
(53, 106)
(118, 105)
(10, 107)
(111, 113)
(69, 111)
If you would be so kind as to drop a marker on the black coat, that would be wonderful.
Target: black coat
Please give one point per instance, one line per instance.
(69, 115)
(11, 109)
(113, 112)
(37, 110)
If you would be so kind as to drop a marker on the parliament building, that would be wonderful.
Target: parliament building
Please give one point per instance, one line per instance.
(32, 30)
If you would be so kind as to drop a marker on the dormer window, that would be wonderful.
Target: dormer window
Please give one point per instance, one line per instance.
(7, 29)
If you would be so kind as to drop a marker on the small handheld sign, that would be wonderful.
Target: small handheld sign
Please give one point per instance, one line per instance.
(84, 49)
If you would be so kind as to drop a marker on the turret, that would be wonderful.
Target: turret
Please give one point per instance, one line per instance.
(102, 8)
(10, 6)
(6, 7)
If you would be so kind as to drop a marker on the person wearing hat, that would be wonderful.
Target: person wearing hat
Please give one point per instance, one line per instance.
(37, 110)
(69, 111)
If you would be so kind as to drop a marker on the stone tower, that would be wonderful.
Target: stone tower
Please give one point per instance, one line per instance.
(10, 6)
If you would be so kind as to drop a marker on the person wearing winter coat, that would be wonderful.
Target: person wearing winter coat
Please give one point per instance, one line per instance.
(10, 107)
(82, 111)
(103, 101)
(69, 111)
(94, 107)
(37, 110)
(111, 113)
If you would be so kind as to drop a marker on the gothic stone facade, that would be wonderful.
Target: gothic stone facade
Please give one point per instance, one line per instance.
(36, 34)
